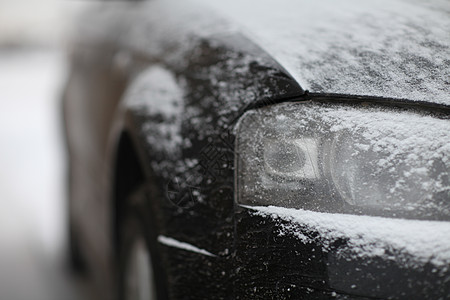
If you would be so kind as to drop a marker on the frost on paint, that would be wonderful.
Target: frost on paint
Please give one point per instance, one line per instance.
(156, 93)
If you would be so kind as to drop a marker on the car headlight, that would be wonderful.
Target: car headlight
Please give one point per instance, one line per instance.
(341, 158)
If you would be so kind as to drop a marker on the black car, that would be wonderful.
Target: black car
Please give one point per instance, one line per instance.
(261, 149)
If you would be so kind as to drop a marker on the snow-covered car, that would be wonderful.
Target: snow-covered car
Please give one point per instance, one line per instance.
(261, 149)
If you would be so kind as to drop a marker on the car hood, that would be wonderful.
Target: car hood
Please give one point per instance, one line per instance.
(387, 48)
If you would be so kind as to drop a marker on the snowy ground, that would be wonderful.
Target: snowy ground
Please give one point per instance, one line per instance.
(32, 214)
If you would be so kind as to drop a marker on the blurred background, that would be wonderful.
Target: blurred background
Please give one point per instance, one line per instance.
(33, 68)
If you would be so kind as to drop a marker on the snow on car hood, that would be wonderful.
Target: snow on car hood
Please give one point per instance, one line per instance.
(386, 48)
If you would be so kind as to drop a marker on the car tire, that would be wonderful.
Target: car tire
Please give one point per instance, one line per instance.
(140, 274)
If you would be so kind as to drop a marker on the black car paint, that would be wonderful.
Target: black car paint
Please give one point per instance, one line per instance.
(208, 224)
(251, 260)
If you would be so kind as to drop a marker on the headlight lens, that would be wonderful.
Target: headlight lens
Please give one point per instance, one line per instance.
(339, 158)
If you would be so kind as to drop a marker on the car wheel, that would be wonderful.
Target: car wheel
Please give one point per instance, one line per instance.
(139, 263)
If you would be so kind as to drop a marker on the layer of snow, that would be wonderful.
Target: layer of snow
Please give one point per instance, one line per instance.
(386, 48)
(181, 245)
(416, 242)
